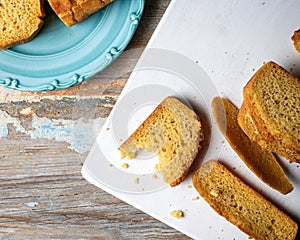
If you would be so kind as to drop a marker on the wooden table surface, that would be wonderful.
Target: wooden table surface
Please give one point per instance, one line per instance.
(45, 138)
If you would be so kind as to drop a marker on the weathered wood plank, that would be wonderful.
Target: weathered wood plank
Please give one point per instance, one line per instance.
(42, 192)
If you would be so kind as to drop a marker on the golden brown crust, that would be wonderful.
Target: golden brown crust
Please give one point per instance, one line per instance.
(270, 126)
(177, 152)
(246, 122)
(72, 12)
(259, 161)
(230, 197)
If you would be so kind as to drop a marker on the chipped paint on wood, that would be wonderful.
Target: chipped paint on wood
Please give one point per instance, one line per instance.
(79, 134)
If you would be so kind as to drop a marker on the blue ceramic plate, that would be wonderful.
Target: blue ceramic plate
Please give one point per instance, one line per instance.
(60, 57)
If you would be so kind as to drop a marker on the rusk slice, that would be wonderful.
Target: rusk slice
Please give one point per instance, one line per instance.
(241, 205)
(174, 132)
(274, 104)
(20, 21)
(74, 11)
(246, 122)
(259, 161)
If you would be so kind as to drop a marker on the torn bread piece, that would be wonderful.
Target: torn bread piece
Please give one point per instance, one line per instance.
(174, 132)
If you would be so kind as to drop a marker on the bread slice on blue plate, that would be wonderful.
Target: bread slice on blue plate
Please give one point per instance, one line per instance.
(20, 21)
(74, 11)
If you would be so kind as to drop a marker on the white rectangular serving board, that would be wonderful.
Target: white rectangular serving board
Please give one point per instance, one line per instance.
(229, 41)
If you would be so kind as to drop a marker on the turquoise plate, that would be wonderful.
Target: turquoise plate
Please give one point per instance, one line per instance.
(60, 57)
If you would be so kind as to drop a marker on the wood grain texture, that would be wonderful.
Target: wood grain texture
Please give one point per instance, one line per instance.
(42, 192)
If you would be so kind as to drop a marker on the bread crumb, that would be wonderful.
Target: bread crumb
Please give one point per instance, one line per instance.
(176, 214)
(195, 198)
(189, 186)
(125, 165)
(154, 176)
(107, 129)
(196, 61)
(136, 180)
(263, 3)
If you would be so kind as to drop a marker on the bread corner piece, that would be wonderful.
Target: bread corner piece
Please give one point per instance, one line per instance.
(72, 12)
(230, 197)
(296, 40)
(19, 22)
(174, 132)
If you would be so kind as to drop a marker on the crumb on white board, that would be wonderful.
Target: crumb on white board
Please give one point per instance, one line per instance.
(177, 214)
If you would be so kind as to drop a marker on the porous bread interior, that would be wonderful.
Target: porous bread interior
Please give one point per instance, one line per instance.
(161, 134)
(19, 21)
(246, 122)
(261, 162)
(275, 99)
(173, 131)
(241, 205)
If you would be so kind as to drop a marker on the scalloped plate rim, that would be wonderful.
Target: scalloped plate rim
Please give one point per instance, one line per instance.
(103, 60)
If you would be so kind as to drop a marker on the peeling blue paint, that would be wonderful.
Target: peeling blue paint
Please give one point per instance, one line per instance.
(80, 134)
(3, 131)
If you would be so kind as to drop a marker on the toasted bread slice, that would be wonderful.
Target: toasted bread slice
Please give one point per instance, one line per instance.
(74, 11)
(20, 21)
(229, 196)
(274, 104)
(259, 161)
(174, 132)
(245, 121)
